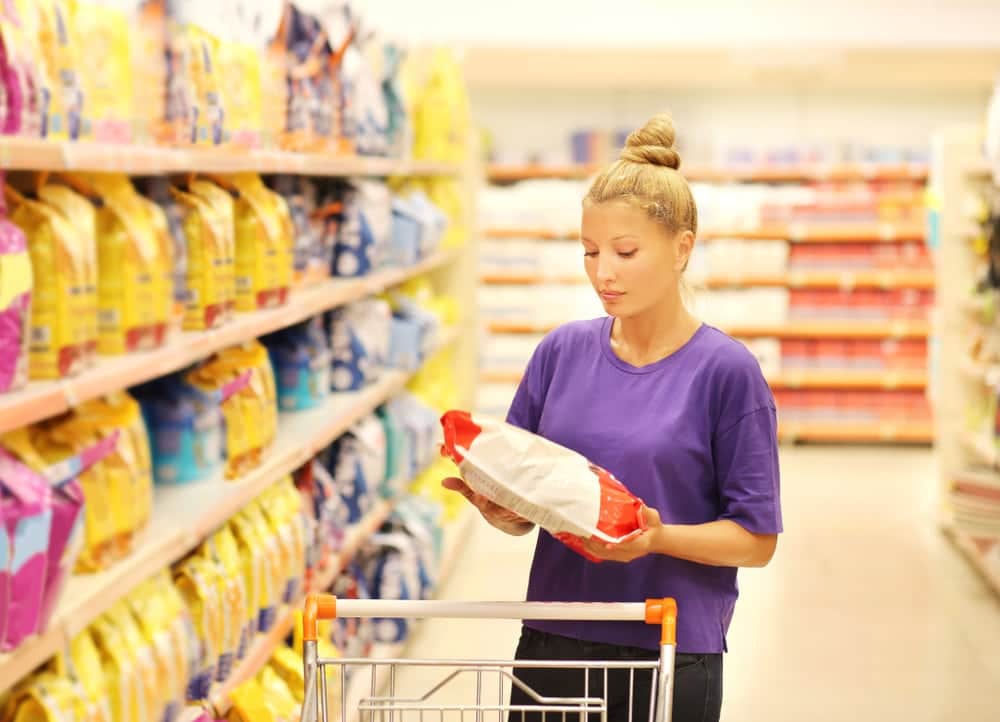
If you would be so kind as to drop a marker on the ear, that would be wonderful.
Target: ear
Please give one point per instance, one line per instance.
(685, 246)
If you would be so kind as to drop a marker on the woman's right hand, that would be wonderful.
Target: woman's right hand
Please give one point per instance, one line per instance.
(503, 519)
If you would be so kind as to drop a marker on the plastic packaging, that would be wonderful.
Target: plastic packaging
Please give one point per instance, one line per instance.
(16, 283)
(302, 358)
(545, 483)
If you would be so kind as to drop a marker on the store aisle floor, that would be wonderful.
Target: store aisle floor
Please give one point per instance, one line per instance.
(866, 614)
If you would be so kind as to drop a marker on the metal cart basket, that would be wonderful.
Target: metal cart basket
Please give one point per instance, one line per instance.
(489, 676)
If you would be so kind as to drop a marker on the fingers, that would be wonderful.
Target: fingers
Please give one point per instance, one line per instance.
(651, 517)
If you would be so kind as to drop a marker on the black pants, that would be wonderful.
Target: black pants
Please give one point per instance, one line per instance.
(697, 680)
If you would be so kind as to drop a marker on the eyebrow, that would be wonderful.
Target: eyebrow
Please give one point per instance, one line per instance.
(616, 238)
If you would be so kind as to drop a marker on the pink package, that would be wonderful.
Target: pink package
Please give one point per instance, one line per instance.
(5, 554)
(66, 538)
(27, 517)
(20, 90)
(15, 302)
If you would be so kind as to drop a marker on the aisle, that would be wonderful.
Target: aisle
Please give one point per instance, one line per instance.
(866, 614)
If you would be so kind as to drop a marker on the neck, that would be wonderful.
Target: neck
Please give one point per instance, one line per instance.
(657, 333)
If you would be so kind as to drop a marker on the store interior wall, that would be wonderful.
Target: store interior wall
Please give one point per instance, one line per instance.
(525, 124)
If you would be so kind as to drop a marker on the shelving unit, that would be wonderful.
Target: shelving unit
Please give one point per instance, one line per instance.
(844, 280)
(965, 439)
(40, 400)
(852, 266)
(841, 172)
(184, 515)
(34, 154)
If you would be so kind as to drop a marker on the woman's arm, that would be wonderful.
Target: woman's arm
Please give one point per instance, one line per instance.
(721, 543)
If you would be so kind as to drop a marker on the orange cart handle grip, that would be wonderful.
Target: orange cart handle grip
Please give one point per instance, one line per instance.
(664, 613)
(317, 607)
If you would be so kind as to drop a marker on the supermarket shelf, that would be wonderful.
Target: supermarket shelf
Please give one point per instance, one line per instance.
(978, 553)
(184, 515)
(794, 233)
(508, 233)
(910, 432)
(796, 379)
(791, 329)
(827, 233)
(823, 329)
(756, 174)
(34, 154)
(40, 400)
(919, 279)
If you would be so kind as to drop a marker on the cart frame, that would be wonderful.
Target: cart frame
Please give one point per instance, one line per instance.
(660, 612)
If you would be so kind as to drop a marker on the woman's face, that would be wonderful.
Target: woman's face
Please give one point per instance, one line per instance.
(632, 261)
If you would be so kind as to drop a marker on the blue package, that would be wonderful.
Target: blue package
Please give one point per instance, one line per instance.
(186, 430)
(407, 233)
(302, 360)
(342, 460)
(351, 363)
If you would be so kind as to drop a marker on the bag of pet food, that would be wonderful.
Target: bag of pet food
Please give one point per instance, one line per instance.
(59, 310)
(133, 292)
(221, 203)
(16, 283)
(26, 508)
(547, 484)
(263, 245)
(83, 217)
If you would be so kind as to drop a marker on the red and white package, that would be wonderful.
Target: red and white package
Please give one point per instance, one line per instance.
(547, 484)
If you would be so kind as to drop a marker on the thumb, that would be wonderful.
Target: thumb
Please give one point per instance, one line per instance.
(651, 517)
(453, 483)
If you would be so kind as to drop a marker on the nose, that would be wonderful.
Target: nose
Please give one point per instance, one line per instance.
(605, 269)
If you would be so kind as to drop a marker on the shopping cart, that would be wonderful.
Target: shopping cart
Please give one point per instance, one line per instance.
(495, 676)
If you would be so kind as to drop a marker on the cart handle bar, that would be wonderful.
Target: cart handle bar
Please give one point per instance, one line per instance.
(662, 612)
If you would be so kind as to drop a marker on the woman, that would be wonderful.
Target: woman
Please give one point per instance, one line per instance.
(674, 408)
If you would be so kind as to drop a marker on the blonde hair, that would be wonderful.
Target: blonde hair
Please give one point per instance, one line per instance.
(647, 174)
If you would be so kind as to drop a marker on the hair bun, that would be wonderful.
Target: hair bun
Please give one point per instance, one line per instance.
(653, 143)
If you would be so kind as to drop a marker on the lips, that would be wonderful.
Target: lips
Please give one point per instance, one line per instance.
(611, 295)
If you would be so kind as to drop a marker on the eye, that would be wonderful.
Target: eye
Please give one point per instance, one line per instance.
(626, 254)
(590, 254)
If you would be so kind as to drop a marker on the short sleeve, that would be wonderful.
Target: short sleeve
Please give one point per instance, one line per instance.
(746, 464)
(526, 409)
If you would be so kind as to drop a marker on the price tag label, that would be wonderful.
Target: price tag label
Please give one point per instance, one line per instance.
(797, 279)
(891, 380)
(797, 232)
(887, 232)
(847, 281)
(888, 432)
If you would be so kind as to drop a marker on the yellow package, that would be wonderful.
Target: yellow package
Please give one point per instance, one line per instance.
(68, 435)
(129, 468)
(253, 356)
(60, 77)
(222, 203)
(152, 607)
(197, 581)
(288, 665)
(279, 697)
(282, 513)
(147, 35)
(262, 246)
(204, 73)
(102, 30)
(250, 704)
(47, 697)
(83, 664)
(59, 320)
(161, 231)
(132, 292)
(124, 677)
(205, 233)
(222, 549)
(238, 411)
(148, 665)
(251, 534)
(82, 215)
(286, 266)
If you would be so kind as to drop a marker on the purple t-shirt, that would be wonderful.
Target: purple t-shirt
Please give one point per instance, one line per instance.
(693, 435)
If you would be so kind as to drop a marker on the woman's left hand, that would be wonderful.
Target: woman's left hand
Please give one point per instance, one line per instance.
(627, 551)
